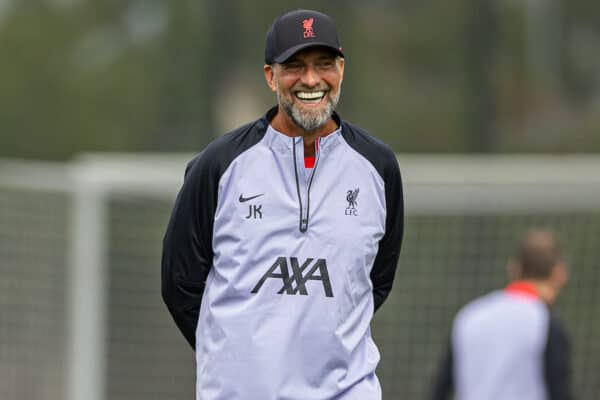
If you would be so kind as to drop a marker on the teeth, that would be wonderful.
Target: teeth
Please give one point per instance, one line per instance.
(310, 95)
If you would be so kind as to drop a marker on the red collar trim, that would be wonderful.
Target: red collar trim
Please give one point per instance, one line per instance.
(309, 162)
(522, 288)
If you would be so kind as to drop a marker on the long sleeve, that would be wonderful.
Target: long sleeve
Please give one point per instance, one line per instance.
(443, 384)
(187, 245)
(558, 363)
(386, 261)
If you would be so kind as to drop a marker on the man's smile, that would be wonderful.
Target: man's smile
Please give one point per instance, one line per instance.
(310, 97)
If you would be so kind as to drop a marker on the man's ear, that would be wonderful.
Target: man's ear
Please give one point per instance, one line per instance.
(342, 63)
(270, 77)
(560, 274)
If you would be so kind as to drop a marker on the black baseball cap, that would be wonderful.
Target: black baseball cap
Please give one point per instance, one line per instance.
(297, 30)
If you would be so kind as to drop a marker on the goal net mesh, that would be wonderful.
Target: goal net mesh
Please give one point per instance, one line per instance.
(450, 254)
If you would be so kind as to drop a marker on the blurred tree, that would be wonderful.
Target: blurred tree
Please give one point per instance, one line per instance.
(148, 75)
(74, 82)
(480, 38)
(186, 72)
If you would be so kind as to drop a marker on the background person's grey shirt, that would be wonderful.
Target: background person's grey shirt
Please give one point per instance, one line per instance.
(505, 346)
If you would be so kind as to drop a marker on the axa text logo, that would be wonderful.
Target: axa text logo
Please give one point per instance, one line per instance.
(294, 275)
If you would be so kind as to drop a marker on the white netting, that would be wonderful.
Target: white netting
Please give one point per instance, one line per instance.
(80, 309)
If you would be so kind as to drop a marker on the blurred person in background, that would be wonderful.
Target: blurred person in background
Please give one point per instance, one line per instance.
(285, 237)
(508, 345)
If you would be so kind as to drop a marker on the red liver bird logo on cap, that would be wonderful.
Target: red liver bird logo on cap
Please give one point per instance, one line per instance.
(307, 24)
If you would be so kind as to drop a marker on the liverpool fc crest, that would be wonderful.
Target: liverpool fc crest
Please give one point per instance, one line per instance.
(351, 196)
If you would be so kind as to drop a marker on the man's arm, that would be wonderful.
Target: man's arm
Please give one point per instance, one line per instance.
(187, 246)
(443, 385)
(557, 360)
(386, 261)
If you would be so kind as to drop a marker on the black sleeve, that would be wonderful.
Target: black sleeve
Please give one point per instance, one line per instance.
(443, 384)
(557, 360)
(386, 261)
(187, 245)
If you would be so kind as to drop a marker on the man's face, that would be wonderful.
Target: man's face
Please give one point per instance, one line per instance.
(308, 86)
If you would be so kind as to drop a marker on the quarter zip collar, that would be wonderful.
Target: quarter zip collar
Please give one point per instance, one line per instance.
(294, 146)
(304, 181)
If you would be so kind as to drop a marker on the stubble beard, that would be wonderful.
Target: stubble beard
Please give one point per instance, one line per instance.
(309, 120)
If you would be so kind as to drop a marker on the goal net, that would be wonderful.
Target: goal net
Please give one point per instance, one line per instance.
(81, 316)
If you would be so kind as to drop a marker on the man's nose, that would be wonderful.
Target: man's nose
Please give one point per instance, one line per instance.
(310, 77)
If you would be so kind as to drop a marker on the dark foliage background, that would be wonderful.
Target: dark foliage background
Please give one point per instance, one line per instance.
(425, 76)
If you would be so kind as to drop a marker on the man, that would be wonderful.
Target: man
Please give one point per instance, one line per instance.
(507, 345)
(285, 237)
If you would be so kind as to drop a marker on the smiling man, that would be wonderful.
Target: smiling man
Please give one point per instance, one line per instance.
(285, 237)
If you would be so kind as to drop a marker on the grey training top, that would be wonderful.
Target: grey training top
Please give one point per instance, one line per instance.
(506, 346)
(273, 271)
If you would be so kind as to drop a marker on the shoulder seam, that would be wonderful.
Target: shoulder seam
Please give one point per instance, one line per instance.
(386, 152)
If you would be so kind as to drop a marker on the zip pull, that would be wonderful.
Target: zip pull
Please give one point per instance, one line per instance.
(303, 225)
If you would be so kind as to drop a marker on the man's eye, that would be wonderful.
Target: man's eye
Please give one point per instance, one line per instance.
(292, 66)
(326, 64)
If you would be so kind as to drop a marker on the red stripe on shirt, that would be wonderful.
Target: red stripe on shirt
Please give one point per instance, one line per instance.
(522, 288)
(309, 162)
